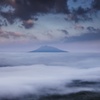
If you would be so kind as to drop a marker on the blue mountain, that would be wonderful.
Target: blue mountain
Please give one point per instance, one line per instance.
(48, 49)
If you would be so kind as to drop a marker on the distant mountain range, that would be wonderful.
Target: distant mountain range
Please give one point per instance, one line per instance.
(48, 49)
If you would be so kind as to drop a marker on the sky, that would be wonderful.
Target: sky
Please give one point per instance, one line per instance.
(72, 26)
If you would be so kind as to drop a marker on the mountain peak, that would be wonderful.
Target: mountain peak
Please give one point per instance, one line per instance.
(48, 49)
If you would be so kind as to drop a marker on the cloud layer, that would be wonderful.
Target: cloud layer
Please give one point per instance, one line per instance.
(52, 78)
(80, 21)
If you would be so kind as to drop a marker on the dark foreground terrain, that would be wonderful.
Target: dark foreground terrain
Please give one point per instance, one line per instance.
(84, 95)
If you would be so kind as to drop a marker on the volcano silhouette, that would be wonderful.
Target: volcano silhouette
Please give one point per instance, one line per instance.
(48, 49)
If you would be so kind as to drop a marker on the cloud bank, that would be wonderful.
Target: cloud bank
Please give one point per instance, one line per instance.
(17, 81)
(73, 19)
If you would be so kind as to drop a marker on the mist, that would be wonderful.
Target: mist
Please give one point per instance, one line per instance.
(47, 73)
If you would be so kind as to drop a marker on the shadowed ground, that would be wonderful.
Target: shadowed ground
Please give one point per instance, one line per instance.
(84, 95)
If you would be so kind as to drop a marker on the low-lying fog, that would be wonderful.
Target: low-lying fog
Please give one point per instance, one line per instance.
(41, 73)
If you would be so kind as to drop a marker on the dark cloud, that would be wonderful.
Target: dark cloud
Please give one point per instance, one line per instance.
(93, 30)
(83, 13)
(65, 32)
(24, 8)
(50, 36)
(90, 28)
(90, 36)
(96, 4)
(79, 27)
(28, 24)
(80, 11)
(75, 0)
(45, 5)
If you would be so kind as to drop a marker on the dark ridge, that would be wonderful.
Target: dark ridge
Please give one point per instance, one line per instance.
(79, 83)
(83, 95)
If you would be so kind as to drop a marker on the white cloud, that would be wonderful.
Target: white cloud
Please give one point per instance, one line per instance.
(79, 3)
(7, 9)
(16, 81)
(53, 71)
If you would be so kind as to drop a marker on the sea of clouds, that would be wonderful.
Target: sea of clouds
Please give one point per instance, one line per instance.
(45, 73)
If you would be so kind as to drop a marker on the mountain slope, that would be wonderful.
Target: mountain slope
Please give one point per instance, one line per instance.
(48, 49)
